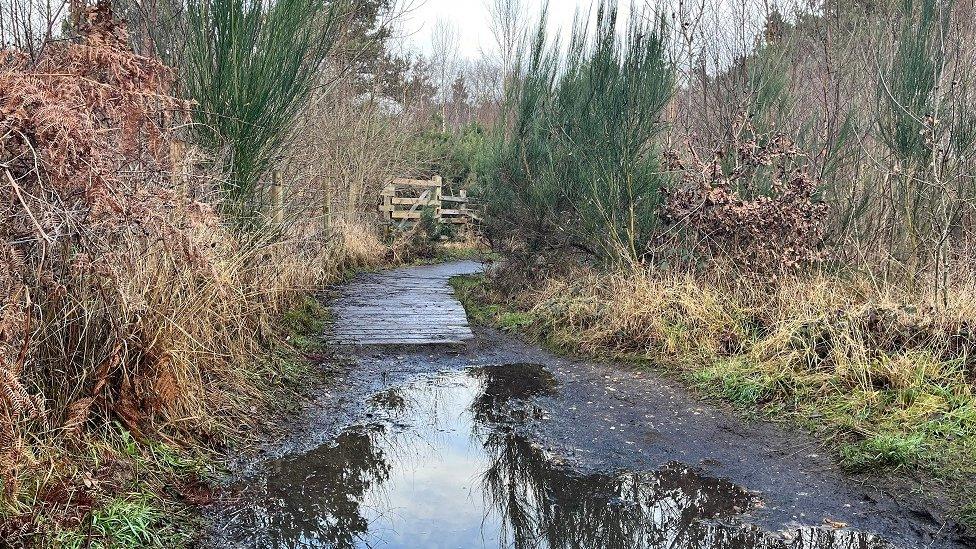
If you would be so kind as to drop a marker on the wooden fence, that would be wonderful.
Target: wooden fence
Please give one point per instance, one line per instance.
(404, 202)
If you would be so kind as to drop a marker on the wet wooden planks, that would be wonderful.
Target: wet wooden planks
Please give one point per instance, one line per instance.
(408, 306)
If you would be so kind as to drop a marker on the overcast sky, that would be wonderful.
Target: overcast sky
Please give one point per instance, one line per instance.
(472, 21)
(470, 17)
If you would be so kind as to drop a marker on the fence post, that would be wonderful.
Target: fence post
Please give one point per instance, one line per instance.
(437, 194)
(327, 208)
(277, 199)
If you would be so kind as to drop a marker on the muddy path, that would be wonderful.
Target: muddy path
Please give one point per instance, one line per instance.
(494, 442)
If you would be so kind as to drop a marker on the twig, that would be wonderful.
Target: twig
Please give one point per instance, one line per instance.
(37, 225)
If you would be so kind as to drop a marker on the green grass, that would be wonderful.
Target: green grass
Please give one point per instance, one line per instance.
(470, 289)
(131, 503)
(305, 324)
(967, 514)
(514, 320)
(731, 382)
(883, 451)
(133, 487)
(122, 524)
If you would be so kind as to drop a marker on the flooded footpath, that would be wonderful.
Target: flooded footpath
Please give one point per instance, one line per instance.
(497, 443)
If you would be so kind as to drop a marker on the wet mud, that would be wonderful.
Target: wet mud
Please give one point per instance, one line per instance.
(442, 464)
(498, 443)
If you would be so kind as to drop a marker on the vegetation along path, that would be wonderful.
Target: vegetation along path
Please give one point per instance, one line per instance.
(478, 439)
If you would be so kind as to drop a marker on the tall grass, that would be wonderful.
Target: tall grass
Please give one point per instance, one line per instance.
(131, 311)
(579, 164)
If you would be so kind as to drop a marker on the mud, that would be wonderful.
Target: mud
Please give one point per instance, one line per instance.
(501, 444)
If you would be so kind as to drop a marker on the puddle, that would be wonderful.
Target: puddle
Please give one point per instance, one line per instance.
(441, 467)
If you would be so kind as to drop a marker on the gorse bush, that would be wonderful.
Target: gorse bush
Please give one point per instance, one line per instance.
(250, 66)
(907, 101)
(578, 163)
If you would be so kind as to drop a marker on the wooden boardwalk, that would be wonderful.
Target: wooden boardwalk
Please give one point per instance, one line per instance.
(408, 306)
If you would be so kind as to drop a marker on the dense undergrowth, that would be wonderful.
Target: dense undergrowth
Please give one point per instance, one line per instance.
(143, 331)
(888, 384)
(776, 206)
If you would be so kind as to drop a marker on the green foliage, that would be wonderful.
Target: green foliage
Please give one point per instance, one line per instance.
(883, 451)
(967, 515)
(907, 87)
(431, 228)
(122, 524)
(513, 320)
(455, 156)
(736, 381)
(579, 164)
(308, 316)
(767, 88)
(471, 291)
(250, 66)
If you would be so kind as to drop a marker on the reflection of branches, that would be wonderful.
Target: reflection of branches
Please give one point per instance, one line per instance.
(319, 499)
(322, 508)
(506, 383)
(542, 503)
(548, 506)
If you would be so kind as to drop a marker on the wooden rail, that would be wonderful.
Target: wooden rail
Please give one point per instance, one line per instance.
(404, 201)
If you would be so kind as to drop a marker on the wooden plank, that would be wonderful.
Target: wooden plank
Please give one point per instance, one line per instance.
(412, 201)
(412, 306)
(416, 183)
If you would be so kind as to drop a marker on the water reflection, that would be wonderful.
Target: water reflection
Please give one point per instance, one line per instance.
(315, 500)
(440, 469)
(550, 506)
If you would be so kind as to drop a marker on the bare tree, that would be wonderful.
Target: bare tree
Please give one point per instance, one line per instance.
(508, 24)
(28, 24)
(445, 41)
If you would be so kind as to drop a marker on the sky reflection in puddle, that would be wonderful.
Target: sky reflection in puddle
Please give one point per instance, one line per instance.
(440, 469)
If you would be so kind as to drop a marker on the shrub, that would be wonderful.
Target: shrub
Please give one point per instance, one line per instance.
(753, 203)
(84, 156)
(123, 297)
(250, 68)
(577, 165)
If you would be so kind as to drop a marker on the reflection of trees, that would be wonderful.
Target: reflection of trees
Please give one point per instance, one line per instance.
(314, 499)
(549, 506)
(544, 505)
(506, 384)
(317, 499)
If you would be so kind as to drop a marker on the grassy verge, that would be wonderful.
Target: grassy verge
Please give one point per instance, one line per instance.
(119, 489)
(115, 488)
(889, 385)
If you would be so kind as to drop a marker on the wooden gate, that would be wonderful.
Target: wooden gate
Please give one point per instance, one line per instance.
(405, 200)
